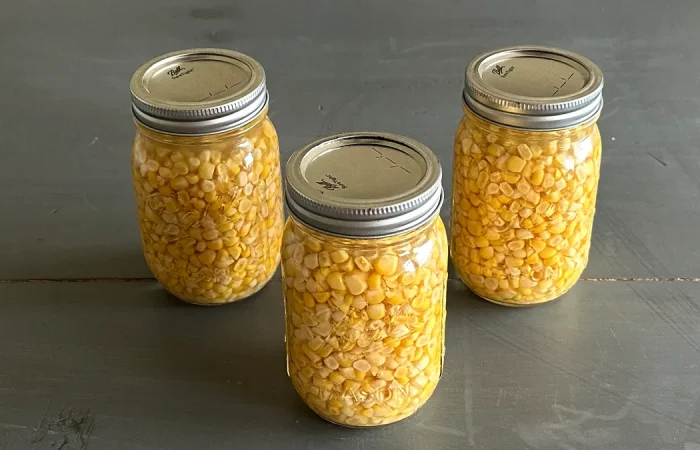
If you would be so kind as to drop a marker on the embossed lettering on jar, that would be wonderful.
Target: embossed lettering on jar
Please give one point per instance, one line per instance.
(365, 271)
(206, 172)
(526, 169)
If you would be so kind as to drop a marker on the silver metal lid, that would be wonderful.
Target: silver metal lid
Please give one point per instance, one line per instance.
(363, 184)
(539, 88)
(198, 91)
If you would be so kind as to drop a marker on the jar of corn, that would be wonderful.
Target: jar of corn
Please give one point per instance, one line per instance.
(206, 171)
(526, 170)
(365, 272)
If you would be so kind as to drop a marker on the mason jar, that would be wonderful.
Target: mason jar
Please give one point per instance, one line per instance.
(206, 172)
(365, 271)
(526, 169)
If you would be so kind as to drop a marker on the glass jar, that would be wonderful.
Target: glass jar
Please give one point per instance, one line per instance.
(365, 271)
(206, 172)
(526, 169)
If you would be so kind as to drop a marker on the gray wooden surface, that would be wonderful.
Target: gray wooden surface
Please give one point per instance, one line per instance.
(108, 361)
(126, 366)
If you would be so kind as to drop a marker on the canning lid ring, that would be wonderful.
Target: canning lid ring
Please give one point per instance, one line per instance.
(363, 229)
(205, 126)
(384, 201)
(198, 91)
(552, 122)
(521, 87)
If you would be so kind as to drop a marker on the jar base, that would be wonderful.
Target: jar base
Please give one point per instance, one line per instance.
(367, 426)
(233, 299)
(364, 427)
(519, 305)
(227, 302)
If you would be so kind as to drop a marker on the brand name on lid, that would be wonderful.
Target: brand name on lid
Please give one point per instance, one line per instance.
(501, 70)
(331, 183)
(178, 72)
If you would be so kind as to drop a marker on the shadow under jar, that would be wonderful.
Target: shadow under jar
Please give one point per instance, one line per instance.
(365, 274)
(526, 169)
(206, 172)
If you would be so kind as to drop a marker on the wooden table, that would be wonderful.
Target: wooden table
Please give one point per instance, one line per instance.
(94, 354)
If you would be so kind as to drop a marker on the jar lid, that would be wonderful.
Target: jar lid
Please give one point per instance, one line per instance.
(538, 88)
(198, 91)
(363, 184)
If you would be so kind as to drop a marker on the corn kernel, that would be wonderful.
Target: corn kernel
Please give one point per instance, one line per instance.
(515, 164)
(335, 281)
(386, 265)
(547, 252)
(339, 256)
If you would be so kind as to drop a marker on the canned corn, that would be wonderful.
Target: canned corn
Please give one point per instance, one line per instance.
(206, 172)
(365, 272)
(526, 168)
